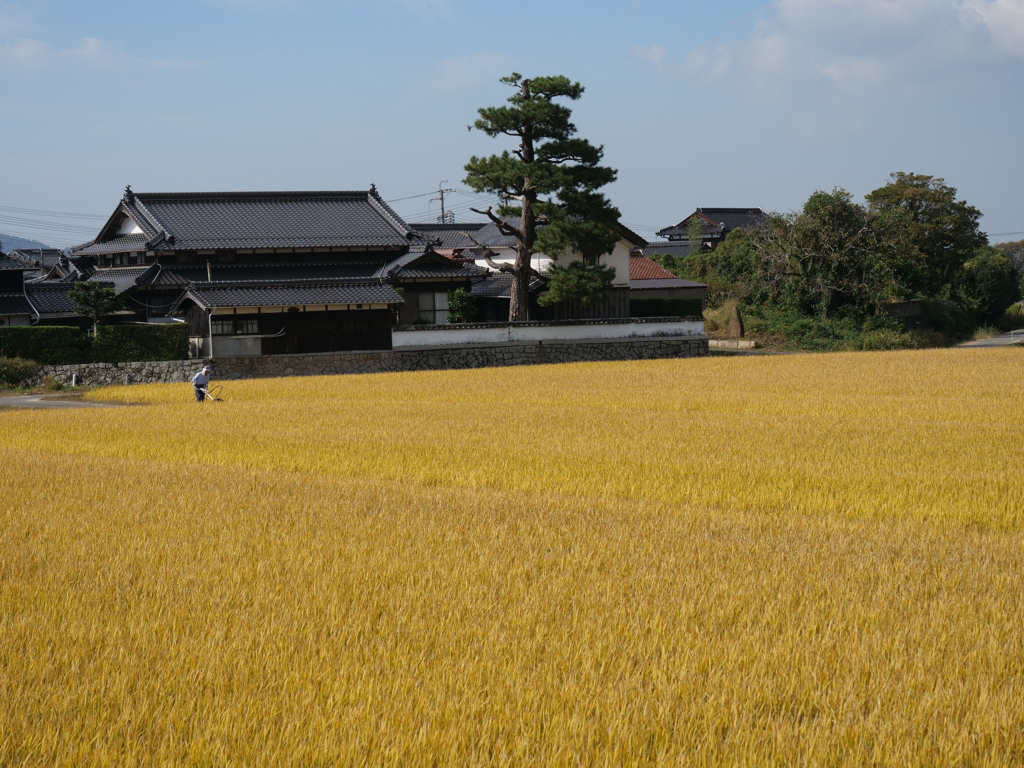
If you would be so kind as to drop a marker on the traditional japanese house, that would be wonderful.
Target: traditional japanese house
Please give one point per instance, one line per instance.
(258, 272)
(465, 242)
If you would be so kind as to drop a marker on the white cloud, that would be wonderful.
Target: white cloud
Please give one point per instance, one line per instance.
(1004, 20)
(458, 73)
(653, 53)
(863, 47)
(704, 64)
(90, 53)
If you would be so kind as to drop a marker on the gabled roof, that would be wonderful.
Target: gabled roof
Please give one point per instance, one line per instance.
(715, 222)
(429, 264)
(232, 220)
(220, 295)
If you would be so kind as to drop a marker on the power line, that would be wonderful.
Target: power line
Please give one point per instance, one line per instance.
(63, 214)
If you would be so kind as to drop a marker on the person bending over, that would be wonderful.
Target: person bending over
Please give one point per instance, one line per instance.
(200, 382)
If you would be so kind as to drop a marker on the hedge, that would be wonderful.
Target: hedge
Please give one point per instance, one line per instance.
(124, 343)
(46, 344)
(690, 306)
(60, 345)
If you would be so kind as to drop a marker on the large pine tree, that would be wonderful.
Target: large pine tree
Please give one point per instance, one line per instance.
(552, 179)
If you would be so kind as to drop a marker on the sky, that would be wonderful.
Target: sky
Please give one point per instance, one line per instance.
(734, 103)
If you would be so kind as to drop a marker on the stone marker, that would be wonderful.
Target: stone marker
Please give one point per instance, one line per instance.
(735, 324)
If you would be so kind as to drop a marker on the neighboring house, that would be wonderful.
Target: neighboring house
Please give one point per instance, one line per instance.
(648, 280)
(15, 308)
(41, 261)
(270, 272)
(466, 241)
(715, 224)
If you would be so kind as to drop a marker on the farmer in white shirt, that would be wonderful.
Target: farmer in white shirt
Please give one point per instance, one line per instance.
(200, 382)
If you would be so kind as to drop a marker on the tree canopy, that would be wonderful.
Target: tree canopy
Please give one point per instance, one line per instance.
(93, 301)
(550, 182)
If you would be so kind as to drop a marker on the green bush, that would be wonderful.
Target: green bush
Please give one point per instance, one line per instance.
(946, 317)
(61, 345)
(124, 343)
(46, 344)
(14, 370)
(461, 306)
(795, 330)
(690, 306)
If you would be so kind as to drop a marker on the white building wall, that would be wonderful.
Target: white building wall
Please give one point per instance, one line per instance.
(618, 258)
(437, 336)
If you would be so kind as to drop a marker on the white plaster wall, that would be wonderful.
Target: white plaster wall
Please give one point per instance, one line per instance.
(436, 337)
(10, 320)
(618, 258)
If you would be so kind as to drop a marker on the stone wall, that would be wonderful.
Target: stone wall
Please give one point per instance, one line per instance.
(415, 359)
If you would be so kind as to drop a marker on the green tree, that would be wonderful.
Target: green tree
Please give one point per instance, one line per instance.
(461, 306)
(944, 231)
(584, 283)
(552, 178)
(94, 301)
(990, 283)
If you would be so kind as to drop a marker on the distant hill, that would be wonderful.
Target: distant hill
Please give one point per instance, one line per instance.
(11, 242)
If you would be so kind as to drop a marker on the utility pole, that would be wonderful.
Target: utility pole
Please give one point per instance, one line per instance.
(445, 218)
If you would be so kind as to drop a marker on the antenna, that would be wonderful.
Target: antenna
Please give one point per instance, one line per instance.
(445, 218)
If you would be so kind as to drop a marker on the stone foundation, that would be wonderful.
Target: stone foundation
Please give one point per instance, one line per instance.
(416, 359)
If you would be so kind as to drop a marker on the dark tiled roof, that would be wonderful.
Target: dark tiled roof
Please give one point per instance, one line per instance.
(263, 274)
(43, 257)
(123, 278)
(429, 265)
(675, 282)
(120, 244)
(732, 218)
(498, 285)
(7, 263)
(642, 268)
(220, 295)
(211, 220)
(14, 304)
(51, 298)
(715, 222)
(676, 249)
(450, 235)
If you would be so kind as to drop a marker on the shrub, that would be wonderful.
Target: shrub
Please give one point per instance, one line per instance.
(122, 343)
(461, 306)
(946, 317)
(1013, 318)
(52, 384)
(14, 370)
(690, 306)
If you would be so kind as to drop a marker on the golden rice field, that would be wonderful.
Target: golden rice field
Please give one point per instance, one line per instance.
(792, 560)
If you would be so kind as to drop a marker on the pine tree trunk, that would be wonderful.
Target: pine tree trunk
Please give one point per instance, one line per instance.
(519, 304)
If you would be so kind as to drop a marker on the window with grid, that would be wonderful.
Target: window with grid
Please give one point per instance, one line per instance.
(434, 307)
(235, 327)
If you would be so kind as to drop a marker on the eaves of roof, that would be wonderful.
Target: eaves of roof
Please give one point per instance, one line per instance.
(14, 304)
(215, 296)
